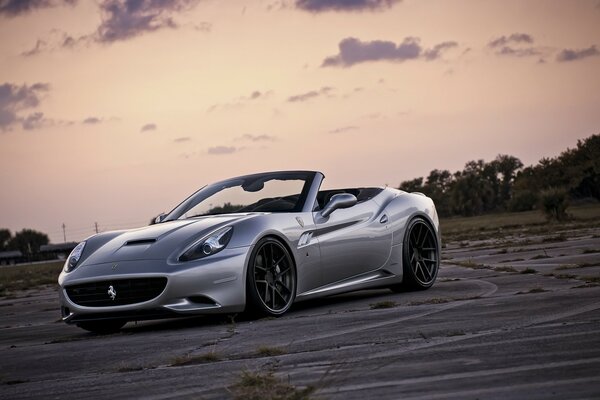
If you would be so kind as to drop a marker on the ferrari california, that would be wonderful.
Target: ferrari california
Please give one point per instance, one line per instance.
(256, 243)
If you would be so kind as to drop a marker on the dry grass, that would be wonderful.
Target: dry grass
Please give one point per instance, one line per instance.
(491, 226)
(197, 359)
(435, 300)
(28, 276)
(534, 290)
(468, 264)
(266, 386)
(528, 271)
(269, 351)
(505, 269)
(383, 304)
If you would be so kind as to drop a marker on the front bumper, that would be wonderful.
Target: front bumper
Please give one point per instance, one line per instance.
(216, 284)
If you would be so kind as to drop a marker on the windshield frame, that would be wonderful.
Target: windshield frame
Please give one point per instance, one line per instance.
(209, 190)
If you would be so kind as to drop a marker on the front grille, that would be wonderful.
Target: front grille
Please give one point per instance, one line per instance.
(124, 291)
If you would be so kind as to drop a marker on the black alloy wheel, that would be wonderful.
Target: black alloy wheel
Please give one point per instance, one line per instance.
(420, 256)
(271, 279)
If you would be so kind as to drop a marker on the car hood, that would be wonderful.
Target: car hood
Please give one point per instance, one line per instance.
(155, 241)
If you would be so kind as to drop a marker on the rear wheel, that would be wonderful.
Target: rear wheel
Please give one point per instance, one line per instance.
(106, 326)
(271, 279)
(420, 256)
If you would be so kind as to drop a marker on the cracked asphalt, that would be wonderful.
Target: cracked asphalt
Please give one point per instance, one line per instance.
(507, 318)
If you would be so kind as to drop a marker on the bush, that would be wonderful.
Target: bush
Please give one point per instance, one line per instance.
(555, 202)
(523, 200)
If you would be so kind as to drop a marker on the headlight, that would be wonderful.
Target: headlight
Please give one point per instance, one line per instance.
(213, 243)
(74, 257)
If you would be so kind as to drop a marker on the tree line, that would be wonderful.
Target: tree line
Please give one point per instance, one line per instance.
(27, 241)
(504, 184)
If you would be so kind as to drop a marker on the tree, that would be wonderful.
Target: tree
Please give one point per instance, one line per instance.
(507, 166)
(28, 241)
(5, 237)
(414, 185)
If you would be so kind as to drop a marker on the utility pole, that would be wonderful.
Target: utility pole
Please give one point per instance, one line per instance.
(64, 232)
(96, 226)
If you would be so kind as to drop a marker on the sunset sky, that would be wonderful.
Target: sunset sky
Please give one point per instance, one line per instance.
(113, 111)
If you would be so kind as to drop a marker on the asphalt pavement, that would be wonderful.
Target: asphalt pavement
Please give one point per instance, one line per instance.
(504, 320)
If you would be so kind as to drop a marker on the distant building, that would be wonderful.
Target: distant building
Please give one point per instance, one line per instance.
(57, 251)
(11, 257)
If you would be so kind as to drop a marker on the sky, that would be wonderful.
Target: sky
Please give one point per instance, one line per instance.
(112, 111)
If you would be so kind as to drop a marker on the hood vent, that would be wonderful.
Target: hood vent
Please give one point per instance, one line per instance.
(139, 242)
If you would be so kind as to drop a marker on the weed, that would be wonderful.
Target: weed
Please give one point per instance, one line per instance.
(129, 368)
(534, 290)
(511, 260)
(505, 269)
(556, 238)
(564, 276)
(265, 385)
(434, 300)
(383, 304)
(199, 359)
(590, 251)
(269, 351)
(469, 264)
(575, 266)
(528, 271)
(591, 279)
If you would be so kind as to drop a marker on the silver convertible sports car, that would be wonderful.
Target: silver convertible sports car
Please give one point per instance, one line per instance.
(257, 243)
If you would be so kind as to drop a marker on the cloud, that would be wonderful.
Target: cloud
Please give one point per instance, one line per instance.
(241, 101)
(182, 139)
(148, 127)
(325, 90)
(577, 54)
(513, 38)
(33, 121)
(40, 46)
(56, 40)
(353, 51)
(125, 19)
(257, 138)
(517, 52)
(514, 45)
(14, 8)
(316, 6)
(92, 120)
(15, 100)
(436, 52)
(344, 129)
(219, 150)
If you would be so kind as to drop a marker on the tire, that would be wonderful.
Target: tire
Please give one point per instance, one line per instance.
(102, 327)
(270, 285)
(420, 256)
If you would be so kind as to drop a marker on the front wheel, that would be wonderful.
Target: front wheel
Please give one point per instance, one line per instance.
(420, 256)
(271, 279)
(103, 326)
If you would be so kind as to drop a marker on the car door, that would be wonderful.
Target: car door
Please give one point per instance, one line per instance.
(352, 241)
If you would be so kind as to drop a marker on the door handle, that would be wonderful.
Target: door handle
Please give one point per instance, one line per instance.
(383, 219)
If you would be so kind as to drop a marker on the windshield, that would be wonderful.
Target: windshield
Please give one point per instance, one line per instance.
(269, 192)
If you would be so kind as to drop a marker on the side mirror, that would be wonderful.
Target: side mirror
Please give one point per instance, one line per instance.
(158, 219)
(340, 200)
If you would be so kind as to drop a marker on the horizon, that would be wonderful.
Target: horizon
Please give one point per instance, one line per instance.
(112, 114)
